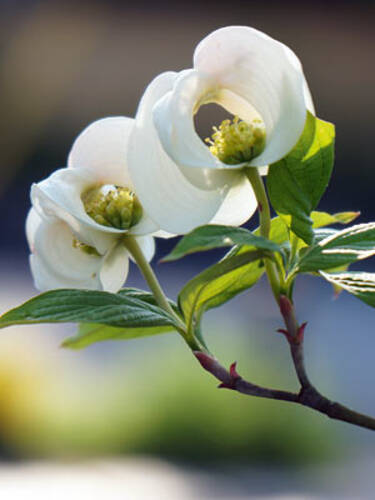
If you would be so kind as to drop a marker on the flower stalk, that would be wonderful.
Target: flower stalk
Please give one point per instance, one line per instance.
(149, 275)
(134, 249)
(265, 225)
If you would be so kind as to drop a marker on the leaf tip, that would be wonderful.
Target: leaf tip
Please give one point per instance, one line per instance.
(167, 258)
(69, 343)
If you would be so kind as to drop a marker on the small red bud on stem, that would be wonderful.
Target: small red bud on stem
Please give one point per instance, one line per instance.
(298, 339)
(209, 363)
(285, 306)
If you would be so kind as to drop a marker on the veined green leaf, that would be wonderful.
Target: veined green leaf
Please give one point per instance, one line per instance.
(87, 306)
(320, 221)
(360, 284)
(324, 233)
(280, 232)
(144, 296)
(297, 182)
(90, 333)
(340, 248)
(219, 283)
(323, 219)
(217, 236)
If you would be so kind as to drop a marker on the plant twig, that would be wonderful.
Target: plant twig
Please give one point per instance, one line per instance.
(264, 224)
(308, 395)
(232, 380)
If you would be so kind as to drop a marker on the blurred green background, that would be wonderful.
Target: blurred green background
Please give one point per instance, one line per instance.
(64, 64)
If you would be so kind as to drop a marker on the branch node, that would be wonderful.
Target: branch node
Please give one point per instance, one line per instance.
(233, 372)
(287, 335)
(226, 386)
(301, 332)
(298, 339)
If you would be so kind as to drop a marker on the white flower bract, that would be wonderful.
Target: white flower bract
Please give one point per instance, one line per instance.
(69, 249)
(180, 198)
(177, 177)
(249, 74)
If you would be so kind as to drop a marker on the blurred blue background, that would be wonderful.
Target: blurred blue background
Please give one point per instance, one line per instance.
(64, 64)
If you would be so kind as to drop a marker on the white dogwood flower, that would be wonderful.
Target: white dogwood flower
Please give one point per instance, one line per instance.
(255, 78)
(81, 214)
(249, 74)
(178, 197)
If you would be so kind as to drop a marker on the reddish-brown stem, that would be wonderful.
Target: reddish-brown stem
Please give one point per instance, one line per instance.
(307, 396)
(231, 380)
(294, 333)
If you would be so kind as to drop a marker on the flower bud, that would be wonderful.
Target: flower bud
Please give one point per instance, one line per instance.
(112, 206)
(237, 141)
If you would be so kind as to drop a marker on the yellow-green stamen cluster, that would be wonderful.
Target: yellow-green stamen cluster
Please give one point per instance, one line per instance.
(85, 248)
(112, 206)
(237, 141)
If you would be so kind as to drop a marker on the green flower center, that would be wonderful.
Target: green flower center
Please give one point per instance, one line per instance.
(237, 141)
(112, 206)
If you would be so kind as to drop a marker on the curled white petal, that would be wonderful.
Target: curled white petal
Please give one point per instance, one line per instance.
(264, 72)
(60, 196)
(101, 148)
(308, 97)
(147, 245)
(174, 120)
(239, 204)
(236, 67)
(163, 234)
(145, 226)
(174, 203)
(55, 262)
(114, 269)
(33, 221)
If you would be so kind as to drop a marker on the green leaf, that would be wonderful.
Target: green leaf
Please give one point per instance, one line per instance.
(323, 233)
(297, 182)
(144, 297)
(219, 283)
(360, 284)
(340, 248)
(86, 306)
(216, 236)
(323, 219)
(280, 232)
(90, 333)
